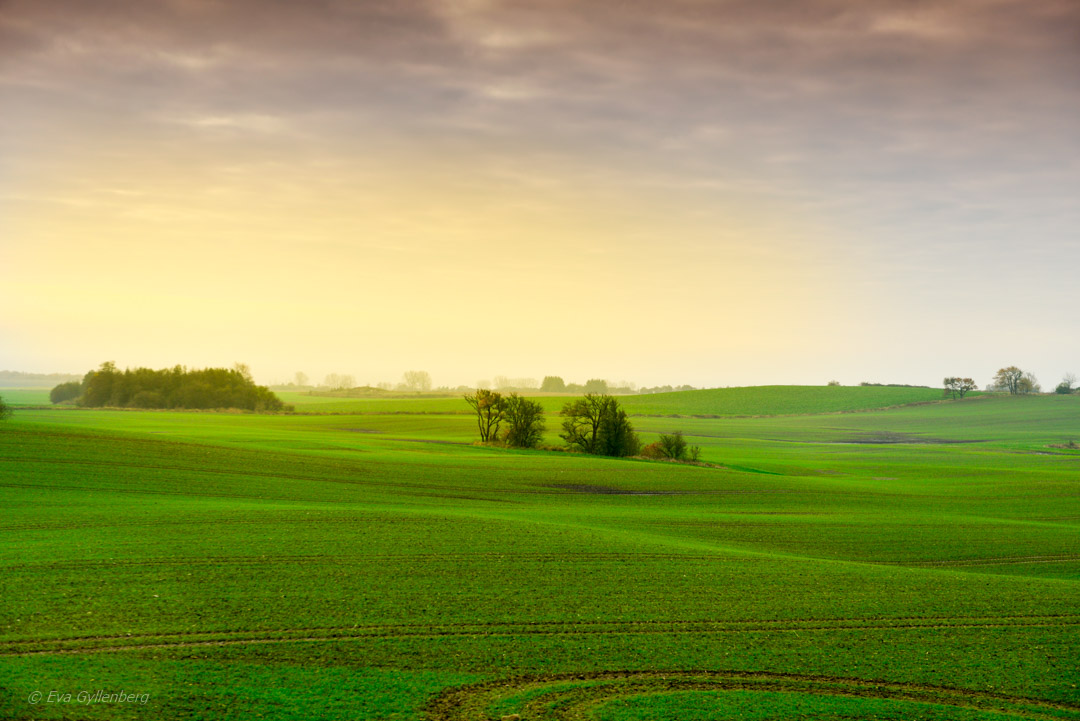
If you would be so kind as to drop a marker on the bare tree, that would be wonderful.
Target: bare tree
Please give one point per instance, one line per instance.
(1067, 384)
(417, 380)
(301, 378)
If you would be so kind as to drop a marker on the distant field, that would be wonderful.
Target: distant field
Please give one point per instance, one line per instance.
(777, 400)
(25, 396)
(919, 562)
(749, 401)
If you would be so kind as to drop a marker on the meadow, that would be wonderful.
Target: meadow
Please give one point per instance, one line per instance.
(848, 553)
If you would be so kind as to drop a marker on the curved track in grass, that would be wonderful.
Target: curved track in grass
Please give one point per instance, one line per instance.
(717, 695)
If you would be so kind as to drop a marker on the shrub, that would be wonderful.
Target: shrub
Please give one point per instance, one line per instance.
(65, 392)
(673, 446)
(525, 422)
(652, 451)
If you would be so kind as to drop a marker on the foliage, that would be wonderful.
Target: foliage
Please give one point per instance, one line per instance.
(175, 387)
(958, 387)
(1028, 384)
(1015, 381)
(553, 384)
(596, 386)
(524, 422)
(833, 383)
(652, 451)
(1065, 387)
(673, 445)
(617, 437)
(490, 409)
(596, 424)
(65, 392)
(5, 410)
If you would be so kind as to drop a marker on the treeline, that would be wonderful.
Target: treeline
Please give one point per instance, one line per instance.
(176, 387)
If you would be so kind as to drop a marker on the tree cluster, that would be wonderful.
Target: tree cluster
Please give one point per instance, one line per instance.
(513, 420)
(958, 387)
(176, 387)
(1015, 381)
(596, 424)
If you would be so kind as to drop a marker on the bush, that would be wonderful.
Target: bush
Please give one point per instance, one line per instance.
(673, 446)
(5, 410)
(65, 392)
(525, 422)
(652, 451)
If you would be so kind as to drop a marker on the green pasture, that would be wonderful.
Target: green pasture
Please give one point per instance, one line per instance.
(921, 561)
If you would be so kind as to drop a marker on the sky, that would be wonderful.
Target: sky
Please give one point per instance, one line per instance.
(726, 192)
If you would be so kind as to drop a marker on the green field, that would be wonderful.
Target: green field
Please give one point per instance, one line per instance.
(921, 561)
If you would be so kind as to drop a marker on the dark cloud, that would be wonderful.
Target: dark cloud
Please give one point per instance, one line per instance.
(903, 98)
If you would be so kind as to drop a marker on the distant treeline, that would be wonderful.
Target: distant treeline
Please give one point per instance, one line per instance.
(19, 379)
(176, 387)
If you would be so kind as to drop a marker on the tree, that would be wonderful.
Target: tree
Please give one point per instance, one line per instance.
(1028, 384)
(5, 410)
(1008, 379)
(417, 380)
(617, 437)
(596, 385)
(595, 424)
(553, 384)
(301, 378)
(65, 392)
(958, 387)
(581, 421)
(1066, 385)
(524, 422)
(490, 408)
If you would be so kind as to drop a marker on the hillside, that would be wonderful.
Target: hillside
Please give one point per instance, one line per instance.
(776, 400)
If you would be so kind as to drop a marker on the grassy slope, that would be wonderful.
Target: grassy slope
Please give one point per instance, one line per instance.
(411, 566)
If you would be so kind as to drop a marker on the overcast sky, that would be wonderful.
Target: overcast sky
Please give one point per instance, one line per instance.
(717, 193)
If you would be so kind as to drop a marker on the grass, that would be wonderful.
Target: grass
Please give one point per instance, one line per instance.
(917, 562)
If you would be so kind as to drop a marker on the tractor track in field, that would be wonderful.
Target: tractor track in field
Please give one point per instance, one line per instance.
(999, 561)
(188, 639)
(571, 696)
(488, 556)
